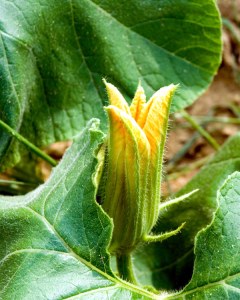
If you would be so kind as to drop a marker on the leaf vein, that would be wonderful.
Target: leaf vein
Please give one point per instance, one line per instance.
(11, 79)
(151, 42)
(211, 284)
(80, 49)
(30, 250)
(91, 292)
(117, 281)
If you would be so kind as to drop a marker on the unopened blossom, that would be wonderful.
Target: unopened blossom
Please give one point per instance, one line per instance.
(133, 167)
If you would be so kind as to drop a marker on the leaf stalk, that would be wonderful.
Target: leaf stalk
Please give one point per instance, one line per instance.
(28, 144)
(125, 267)
(201, 130)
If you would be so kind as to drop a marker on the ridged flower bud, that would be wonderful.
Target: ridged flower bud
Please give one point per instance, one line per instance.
(131, 183)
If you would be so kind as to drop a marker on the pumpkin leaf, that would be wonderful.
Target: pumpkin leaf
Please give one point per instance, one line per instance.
(53, 56)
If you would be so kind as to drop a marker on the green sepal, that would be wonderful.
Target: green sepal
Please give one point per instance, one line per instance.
(163, 236)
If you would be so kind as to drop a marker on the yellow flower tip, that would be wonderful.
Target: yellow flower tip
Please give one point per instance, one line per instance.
(117, 116)
(164, 94)
(155, 117)
(115, 97)
(122, 124)
(115, 121)
(138, 102)
(159, 102)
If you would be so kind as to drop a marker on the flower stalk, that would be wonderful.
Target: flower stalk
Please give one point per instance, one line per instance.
(130, 187)
(125, 268)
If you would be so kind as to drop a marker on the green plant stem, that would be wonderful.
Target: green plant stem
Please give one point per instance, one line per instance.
(165, 205)
(13, 187)
(163, 236)
(31, 146)
(180, 154)
(236, 110)
(14, 182)
(125, 267)
(202, 131)
(229, 25)
(211, 119)
(226, 120)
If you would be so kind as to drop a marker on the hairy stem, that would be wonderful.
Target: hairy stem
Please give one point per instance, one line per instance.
(125, 267)
(31, 146)
(163, 236)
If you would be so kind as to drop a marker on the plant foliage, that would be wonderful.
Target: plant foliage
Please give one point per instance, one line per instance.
(54, 54)
(54, 241)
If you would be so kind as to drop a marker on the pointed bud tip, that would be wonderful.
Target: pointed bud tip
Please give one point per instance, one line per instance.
(175, 86)
(140, 88)
(110, 107)
(113, 110)
(139, 85)
(105, 83)
(172, 87)
(108, 84)
(165, 93)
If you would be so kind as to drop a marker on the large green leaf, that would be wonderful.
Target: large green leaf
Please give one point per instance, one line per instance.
(217, 265)
(53, 55)
(53, 240)
(168, 265)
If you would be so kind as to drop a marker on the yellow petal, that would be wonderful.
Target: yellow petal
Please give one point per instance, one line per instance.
(138, 102)
(132, 173)
(116, 98)
(126, 189)
(156, 116)
(125, 133)
(155, 128)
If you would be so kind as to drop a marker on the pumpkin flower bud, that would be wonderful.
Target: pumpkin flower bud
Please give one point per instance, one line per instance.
(132, 174)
